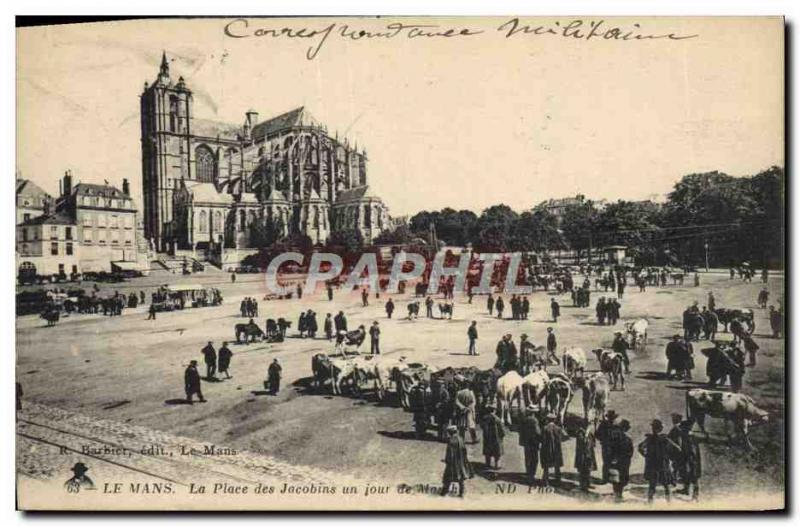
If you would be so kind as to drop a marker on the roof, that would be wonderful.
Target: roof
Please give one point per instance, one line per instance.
(28, 187)
(210, 128)
(207, 193)
(296, 117)
(355, 194)
(102, 190)
(276, 195)
(50, 219)
(248, 197)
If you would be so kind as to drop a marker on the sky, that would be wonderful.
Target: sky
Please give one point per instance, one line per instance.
(461, 122)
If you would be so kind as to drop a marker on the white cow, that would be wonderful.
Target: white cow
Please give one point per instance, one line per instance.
(735, 407)
(574, 361)
(534, 387)
(558, 396)
(509, 388)
(384, 369)
(637, 333)
(596, 394)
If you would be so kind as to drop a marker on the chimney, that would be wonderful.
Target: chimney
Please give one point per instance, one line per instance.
(126, 188)
(252, 118)
(67, 187)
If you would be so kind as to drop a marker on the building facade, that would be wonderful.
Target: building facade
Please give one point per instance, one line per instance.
(93, 228)
(208, 184)
(32, 201)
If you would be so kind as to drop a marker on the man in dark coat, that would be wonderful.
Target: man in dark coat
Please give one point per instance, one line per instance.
(374, 338)
(311, 323)
(444, 410)
(605, 434)
(472, 334)
(329, 290)
(526, 307)
(191, 382)
(499, 305)
(620, 345)
(456, 463)
(274, 373)
(585, 461)
(658, 450)
(364, 297)
(620, 458)
(210, 357)
(429, 307)
(555, 309)
(530, 437)
(490, 304)
(710, 323)
(751, 347)
(691, 465)
(600, 311)
(775, 322)
(550, 453)
(328, 326)
(340, 324)
(493, 434)
(389, 308)
(225, 355)
(552, 345)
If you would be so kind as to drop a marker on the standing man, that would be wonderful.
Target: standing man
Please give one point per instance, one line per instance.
(499, 306)
(191, 382)
(389, 308)
(328, 326)
(464, 410)
(225, 356)
(585, 461)
(657, 450)
(555, 309)
(340, 324)
(691, 468)
(530, 437)
(775, 322)
(490, 304)
(299, 291)
(620, 345)
(151, 313)
(274, 373)
(552, 345)
(329, 290)
(456, 464)
(429, 307)
(374, 338)
(551, 454)
(210, 357)
(605, 434)
(712, 301)
(472, 334)
(493, 434)
(526, 307)
(620, 459)
(364, 297)
(444, 410)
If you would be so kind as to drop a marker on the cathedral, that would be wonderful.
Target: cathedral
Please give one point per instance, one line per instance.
(210, 186)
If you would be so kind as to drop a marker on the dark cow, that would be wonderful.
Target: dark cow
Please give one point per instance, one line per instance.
(613, 364)
(413, 310)
(734, 407)
(726, 316)
(250, 331)
(446, 309)
(51, 316)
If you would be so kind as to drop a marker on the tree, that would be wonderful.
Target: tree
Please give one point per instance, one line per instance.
(350, 240)
(578, 224)
(633, 224)
(536, 231)
(399, 236)
(265, 232)
(493, 229)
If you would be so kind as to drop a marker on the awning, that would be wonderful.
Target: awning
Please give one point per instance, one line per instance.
(124, 265)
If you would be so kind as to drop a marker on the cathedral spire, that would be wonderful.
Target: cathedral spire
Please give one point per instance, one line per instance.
(164, 64)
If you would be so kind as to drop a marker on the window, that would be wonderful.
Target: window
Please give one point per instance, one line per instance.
(129, 237)
(69, 249)
(26, 218)
(101, 237)
(101, 220)
(26, 249)
(115, 237)
(87, 220)
(24, 234)
(60, 268)
(53, 249)
(113, 223)
(217, 221)
(88, 236)
(128, 221)
(68, 232)
(203, 221)
(173, 114)
(53, 232)
(206, 164)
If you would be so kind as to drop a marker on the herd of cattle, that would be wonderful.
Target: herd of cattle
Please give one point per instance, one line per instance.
(416, 385)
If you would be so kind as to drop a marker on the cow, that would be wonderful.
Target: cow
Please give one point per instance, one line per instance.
(509, 388)
(51, 317)
(342, 369)
(613, 364)
(558, 396)
(350, 339)
(735, 407)
(534, 387)
(574, 361)
(408, 377)
(250, 331)
(385, 371)
(320, 369)
(596, 394)
(446, 309)
(726, 316)
(271, 328)
(413, 309)
(637, 333)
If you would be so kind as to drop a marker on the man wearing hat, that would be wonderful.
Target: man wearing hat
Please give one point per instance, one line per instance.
(456, 463)
(552, 345)
(605, 434)
(690, 465)
(274, 377)
(225, 356)
(657, 451)
(551, 454)
(191, 381)
(210, 357)
(675, 435)
(620, 458)
(530, 437)
(526, 355)
(585, 461)
(79, 479)
(472, 334)
(493, 434)
(464, 410)
(444, 410)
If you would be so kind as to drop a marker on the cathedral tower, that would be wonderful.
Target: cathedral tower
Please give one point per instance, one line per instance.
(166, 111)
